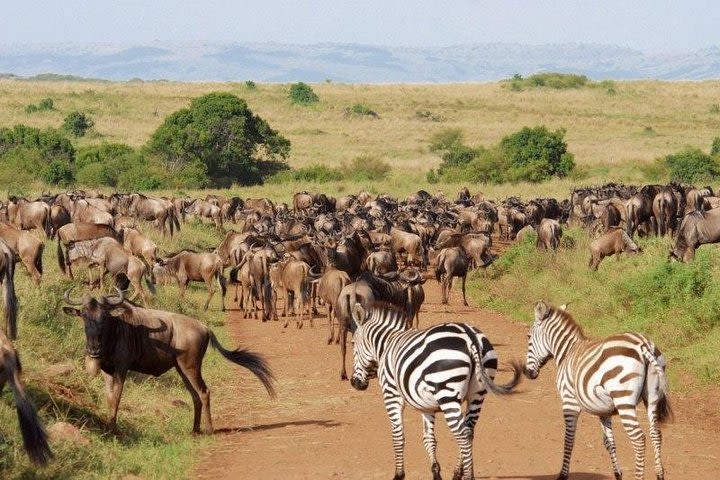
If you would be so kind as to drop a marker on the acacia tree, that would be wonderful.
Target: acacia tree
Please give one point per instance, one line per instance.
(220, 134)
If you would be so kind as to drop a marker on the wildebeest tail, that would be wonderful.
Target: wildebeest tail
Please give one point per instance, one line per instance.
(629, 214)
(440, 269)
(222, 281)
(482, 373)
(150, 280)
(33, 432)
(47, 225)
(661, 218)
(11, 306)
(60, 256)
(254, 362)
(38, 258)
(234, 275)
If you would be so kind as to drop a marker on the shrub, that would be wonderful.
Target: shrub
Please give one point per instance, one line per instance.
(692, 165)
(428, 115)
(220, 132)
(58, 172)
(302, 94)
(77, 123)
(459, 155)
(558, 81)
(313, 173)
(360, 109)
(366, 168)
(715, 108)
(536, 154)
(715, 146)
(250, 85)
(44, 105)
(446, 139)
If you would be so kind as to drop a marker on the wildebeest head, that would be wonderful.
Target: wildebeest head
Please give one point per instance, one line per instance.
(96, 316)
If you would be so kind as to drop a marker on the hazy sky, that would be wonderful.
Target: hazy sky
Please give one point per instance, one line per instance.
(651, 26)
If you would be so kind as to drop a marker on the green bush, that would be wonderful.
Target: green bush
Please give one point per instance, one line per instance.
(536, 154)
(302, 94)
(459, 155)
(58, 172)
(692, 165)
(558, 81)
(45, 104)
(51, 143)
(446, 139)
(220, 133)
(77, 123)
(366, 168)
(360, 110)
(715, 108)
(715, 147)
(313, 173)
(250, 85)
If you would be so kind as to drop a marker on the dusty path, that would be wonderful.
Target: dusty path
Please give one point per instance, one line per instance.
(320, 428)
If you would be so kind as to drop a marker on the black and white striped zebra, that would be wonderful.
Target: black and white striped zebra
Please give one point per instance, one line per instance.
(602, 377)
(435, 369)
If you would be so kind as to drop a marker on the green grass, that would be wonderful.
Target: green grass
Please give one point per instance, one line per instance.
(677, 305)
(155, 417)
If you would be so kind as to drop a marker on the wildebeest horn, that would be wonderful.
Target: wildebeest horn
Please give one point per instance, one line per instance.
(414, 277)
(115, 303)
(69, 300)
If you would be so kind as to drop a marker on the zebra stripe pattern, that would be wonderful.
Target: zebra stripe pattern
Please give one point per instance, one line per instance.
(435, 369)
(602, 377)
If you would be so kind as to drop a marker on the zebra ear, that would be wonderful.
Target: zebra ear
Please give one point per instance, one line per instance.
(541, 311)
(563, 307)
(358, 313)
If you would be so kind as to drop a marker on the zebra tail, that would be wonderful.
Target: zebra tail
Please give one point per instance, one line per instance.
(497, 389)
(664, 410)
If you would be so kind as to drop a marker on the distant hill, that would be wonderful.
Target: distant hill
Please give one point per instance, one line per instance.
(351, 63)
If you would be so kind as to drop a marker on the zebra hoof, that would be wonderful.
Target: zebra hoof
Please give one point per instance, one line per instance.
(399, 476)
(562, 476)
(457, 475)
(435, 469)
(618, 476)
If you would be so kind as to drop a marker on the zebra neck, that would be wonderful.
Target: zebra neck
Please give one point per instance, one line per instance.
(382, 335)
(563, 337)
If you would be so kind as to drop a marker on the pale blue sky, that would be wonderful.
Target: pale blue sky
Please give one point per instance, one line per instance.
(652, 26)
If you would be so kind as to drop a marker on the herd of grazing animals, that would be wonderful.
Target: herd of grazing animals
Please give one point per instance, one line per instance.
(364, 260)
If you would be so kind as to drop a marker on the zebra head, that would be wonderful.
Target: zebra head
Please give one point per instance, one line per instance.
(538, 343)
(364, 356)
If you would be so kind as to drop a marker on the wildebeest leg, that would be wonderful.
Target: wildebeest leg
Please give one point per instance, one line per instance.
(113, 392)
(464, 277)
(137, 286)
(446, 285)
(330, 323)
(211, 291)
(182, 285)
(200, 394)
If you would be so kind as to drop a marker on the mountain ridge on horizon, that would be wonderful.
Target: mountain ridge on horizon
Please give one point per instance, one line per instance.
(352, 63)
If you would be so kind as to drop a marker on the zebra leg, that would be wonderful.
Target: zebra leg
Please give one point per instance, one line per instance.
(628, 417)
(656, 438)
(456, 421)
(609, 441)
(475, 403)
(430, 443)
(394, 407)
(571, 416)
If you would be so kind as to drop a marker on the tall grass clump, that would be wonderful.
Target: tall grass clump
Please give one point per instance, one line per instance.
(676, 305)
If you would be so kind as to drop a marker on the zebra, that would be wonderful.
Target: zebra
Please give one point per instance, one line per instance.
(435, 369)
(601, 377)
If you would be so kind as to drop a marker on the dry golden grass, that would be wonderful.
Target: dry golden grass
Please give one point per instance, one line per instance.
(604, 131)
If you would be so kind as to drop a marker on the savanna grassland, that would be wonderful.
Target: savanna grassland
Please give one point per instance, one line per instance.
(615, 134)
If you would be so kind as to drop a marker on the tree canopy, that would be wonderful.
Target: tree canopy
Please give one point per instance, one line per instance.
(219, 134)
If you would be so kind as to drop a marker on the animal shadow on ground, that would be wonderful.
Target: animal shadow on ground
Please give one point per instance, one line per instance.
(573, 475)
(273, 426)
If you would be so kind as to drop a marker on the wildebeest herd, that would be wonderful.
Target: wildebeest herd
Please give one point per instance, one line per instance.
(364, 260)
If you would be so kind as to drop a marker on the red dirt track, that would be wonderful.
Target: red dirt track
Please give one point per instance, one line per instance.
(320, 428)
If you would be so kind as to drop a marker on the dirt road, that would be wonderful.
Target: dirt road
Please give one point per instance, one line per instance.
(320, 428)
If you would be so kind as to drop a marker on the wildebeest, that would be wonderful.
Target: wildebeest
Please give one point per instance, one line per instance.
(110, 256)
(77, 232)
(27, 215)
(139, 245)
(33, 433)
(381, 261)
(549, 233)
(616, 241)
(190, 266)
(121, 336)
(329, 287)
(203, 209)
(665, 209)
(452, 262)
(153, 209)
(27, 249)
(293, 276)
(7, 278)
(697, 228)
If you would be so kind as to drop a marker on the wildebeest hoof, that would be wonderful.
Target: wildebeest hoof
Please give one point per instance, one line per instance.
(343, 376)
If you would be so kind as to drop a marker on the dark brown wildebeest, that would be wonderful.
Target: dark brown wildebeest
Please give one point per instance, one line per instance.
(7, 278)
(329, 287)
(616, 241)
(189, 266)
(665, 208)
(77, 232)
(33, 433)
(381, 261)
(696, 229)
(452, 262)
(302, 201)
(368, 288)
(121, 337)
(108, 254)
(639, 209)
(349, 254)
(27, 215)
(549, 233)
(59, 216)
(26, 247)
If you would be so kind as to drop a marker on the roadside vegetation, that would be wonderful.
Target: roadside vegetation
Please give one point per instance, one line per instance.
(155, 420)
(676, 305)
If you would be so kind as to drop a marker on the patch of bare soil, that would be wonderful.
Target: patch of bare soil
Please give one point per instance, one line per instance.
(321, 428)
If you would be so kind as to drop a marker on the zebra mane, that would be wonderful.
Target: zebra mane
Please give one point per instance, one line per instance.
(383, 310)
(565, 317)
